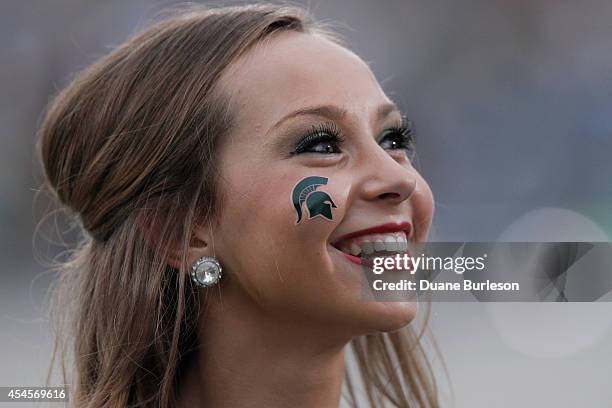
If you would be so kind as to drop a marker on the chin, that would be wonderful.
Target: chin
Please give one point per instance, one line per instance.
(387, 316)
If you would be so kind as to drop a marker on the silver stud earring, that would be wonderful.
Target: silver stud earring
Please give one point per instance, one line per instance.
(206, 271)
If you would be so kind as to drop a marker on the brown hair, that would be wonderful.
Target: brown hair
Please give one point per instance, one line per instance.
(130, 144)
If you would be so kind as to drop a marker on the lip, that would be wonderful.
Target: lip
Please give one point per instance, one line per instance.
(379, 229)
(354, 259)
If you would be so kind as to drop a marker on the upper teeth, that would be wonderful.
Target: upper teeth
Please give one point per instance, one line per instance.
(368, 244)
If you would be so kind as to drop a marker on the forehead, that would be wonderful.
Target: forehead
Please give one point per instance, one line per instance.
(293, 70)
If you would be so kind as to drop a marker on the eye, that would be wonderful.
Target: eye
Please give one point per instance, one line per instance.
(321, 139)
(400, 137)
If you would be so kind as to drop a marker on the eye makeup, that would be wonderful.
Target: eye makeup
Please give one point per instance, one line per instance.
(326, 138)
(323, 138)
(399, 137)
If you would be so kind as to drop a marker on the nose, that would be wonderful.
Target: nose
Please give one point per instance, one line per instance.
(387, 180)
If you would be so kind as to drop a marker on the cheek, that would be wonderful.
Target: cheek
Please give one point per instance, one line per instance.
(422, 202)
(269, 255)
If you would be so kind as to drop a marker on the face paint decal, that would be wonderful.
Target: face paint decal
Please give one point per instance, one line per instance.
(318, 203)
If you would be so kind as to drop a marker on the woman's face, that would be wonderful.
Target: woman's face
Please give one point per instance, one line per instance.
(307, 107)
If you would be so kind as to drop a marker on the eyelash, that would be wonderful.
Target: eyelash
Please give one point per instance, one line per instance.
(330, 133)
(324, 132)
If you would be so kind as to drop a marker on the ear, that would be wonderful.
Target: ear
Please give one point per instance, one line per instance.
(200, 244)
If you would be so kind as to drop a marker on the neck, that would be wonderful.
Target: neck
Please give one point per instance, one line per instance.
(249, 358)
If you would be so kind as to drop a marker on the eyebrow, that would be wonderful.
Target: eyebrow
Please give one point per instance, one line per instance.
(334, 113)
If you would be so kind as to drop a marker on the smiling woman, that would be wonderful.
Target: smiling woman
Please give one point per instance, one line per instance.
(246, 140)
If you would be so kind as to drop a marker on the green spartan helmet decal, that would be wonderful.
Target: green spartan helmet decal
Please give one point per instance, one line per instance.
(317, 202)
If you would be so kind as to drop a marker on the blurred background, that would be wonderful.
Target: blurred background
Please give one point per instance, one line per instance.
(513, 107)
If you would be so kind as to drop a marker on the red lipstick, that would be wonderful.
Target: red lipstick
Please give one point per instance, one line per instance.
(388, 227)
